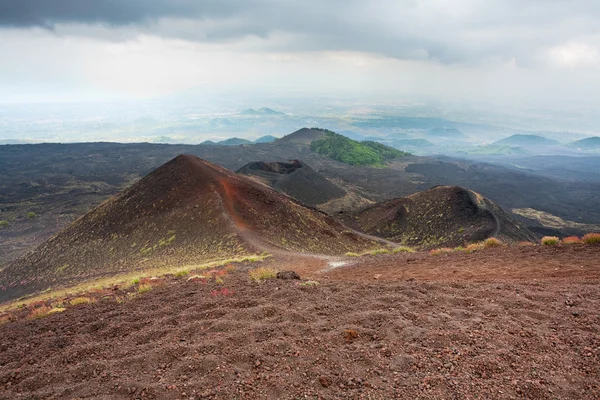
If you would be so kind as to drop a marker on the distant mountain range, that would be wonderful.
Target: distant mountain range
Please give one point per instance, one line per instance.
(443, 132)
(239, 141)
(526, 140)
(261, 111)
(591, 143)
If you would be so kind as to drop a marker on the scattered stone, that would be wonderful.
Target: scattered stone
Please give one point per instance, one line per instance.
(287, 275)
(575, 313)
(569, 302)
(324, 381)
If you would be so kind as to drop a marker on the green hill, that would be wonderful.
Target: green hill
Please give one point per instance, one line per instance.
(348, 151)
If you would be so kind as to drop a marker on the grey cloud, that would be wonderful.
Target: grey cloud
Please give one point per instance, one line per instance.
(448, 32)
(47, 13)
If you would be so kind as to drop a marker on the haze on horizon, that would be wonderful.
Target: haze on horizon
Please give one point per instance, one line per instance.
(509, 52)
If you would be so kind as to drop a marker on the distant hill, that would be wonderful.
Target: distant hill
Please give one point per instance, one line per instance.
(262, 111)
(302, 136)
(186, 212)
(164, 139)
(348, 151)
(227, 142)
(526, 140)
(444, 132)
(441, 216)
(591, 143)
(412, 143)
(12, 141)
(295, 179)
(496, 149)
(234, 142)
(265, 139)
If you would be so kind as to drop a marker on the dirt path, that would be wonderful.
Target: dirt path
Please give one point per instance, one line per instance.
(304, 262)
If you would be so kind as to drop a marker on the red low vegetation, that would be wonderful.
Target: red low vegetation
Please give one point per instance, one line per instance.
(572, 240)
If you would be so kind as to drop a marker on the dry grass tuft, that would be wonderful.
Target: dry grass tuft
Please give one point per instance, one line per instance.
(492, 242)
(261, 273)
(550, 241)
(591, 238)
(403, 249)
(181, 273)
(572, 240)
(350, 335)
(81, 300)
(474, 247)
(378, 251)
(143, 288)
(443, 250)
(44, 311)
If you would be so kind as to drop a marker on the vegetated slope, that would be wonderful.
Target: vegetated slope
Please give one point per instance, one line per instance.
(295, 179)
(591, 143)
(440, 216)
(348, 151)
(187, 211)
(302, 136)
(526, 140)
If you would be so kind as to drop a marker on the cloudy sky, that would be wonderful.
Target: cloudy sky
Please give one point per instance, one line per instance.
(74, 50)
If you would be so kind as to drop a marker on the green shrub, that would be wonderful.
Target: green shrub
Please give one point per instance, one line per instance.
(31, 215)
(3, 224)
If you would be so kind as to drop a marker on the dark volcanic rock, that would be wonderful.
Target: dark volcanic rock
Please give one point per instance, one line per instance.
(287, 275)
(439, 217)
(186, 212)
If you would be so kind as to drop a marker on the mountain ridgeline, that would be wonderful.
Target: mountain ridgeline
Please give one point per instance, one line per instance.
(186, 212)
(348, 151)
(441, 216)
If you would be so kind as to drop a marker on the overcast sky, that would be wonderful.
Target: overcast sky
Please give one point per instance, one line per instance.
(474, 49)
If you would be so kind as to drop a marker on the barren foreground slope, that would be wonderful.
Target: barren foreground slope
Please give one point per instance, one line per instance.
(453, 330)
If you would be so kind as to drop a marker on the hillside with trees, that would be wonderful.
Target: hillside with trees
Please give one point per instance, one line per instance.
(348, 151)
